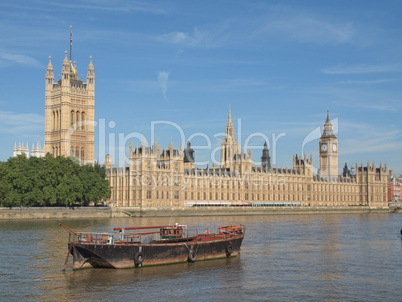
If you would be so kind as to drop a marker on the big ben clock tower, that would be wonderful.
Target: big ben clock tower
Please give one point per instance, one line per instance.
(328, 151)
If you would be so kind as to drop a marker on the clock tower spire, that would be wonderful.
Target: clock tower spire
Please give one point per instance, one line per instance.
(328, 151)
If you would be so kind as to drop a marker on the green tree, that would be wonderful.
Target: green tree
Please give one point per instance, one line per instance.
(50, 181)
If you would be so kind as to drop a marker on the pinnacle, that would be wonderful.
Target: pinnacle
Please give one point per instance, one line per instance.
(328, 120)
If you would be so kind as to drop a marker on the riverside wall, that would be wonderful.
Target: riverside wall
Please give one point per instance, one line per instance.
(106, 212)
(59, 213)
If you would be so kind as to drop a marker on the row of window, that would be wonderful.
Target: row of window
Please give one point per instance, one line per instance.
(77, 152)
(56, 151)
(77, 119)
(248, 197)
(164, 181)
(56, 117)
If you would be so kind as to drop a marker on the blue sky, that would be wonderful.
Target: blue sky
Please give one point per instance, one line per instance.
(278, 64)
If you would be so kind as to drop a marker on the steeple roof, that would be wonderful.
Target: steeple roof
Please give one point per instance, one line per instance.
(65, 61)
(90, 66)
(50, 66)
(229, 118)
(328, 128)
(328, 120)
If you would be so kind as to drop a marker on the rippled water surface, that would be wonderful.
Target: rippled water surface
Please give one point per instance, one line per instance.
(289, 257)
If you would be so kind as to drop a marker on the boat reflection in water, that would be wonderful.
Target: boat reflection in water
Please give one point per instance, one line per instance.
(153, 245)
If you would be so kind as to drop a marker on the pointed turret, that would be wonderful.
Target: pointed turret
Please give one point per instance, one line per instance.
(65, 61)
(49, 75)
(229, 149)
(170, 145)
(266, 159)
(91, 76)
(73, 71)
(229, 125)
(188, 154)
(49, 65)
(65, 73)
(108, 162)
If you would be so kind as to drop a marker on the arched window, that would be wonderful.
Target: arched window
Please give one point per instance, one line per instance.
(82, 153)
(72, 151)
(77, 152)
(57, 151)
(54, 154)
(72, 118)
(54, 120)
(59, 119)
(82, 120)
(77, 120)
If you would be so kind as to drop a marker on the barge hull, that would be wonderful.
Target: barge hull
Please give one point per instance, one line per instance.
(135, 255)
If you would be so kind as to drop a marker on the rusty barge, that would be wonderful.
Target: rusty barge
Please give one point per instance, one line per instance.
(155, 245)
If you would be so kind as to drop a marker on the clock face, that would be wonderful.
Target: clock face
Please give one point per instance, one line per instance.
(334, 147)
(324, 147)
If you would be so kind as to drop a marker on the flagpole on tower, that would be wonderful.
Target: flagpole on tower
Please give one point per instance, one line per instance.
(71, 41)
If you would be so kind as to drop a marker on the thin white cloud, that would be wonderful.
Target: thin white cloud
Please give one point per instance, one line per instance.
(11, 58)
(379, 106)
(373, 82)
(90, 5)
(308, 29)
(163, 77)
(21, 123)
(209, 37)
(366, 138)
(222, 85)
(278, 23)
(362, 69)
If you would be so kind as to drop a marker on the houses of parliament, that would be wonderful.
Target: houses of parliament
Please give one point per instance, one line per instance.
(169, 178)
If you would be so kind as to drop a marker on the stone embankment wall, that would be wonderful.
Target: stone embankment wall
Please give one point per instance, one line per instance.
(59, 213)
(106, 212)
(234, 211)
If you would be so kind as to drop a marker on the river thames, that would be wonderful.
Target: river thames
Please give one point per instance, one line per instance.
(347, 257)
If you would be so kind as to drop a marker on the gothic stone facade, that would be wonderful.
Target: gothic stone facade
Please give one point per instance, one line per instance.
(169, 178)
(70, 113)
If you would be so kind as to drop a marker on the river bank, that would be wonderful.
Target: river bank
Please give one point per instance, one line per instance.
(117, 212)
